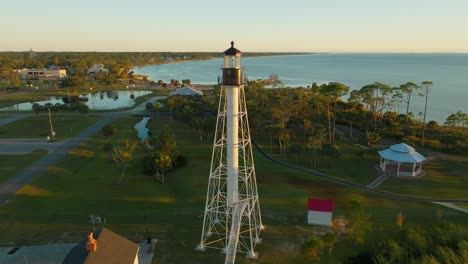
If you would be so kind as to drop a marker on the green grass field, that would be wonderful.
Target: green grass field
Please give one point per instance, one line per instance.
(12, 164)
(37, 126)
(442, 179)
(55, 206)
(352, 165)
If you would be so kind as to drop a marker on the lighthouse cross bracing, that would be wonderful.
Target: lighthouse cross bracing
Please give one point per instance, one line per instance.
(232, 220)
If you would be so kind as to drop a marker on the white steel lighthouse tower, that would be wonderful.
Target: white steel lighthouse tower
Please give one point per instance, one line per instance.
(232, 221)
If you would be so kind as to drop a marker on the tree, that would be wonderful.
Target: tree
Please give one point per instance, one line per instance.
(399, 220)
(73, 82)
(329, 240)
(149, 106)
(158, 106)
(358, 221)
(333, 91)
(408, 89)
(171, 106)
(283, 139)
(315, 141)
(426, 86)
(375, 96)
(163, 162)
(167, 143)
(108, 131)
(372, 138)
(313, 248)
(122, 156)
(82, 108)
(307, 124)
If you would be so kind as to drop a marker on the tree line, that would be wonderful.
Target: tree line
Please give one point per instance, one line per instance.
(371, 113)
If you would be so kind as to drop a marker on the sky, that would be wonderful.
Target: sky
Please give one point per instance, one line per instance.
(255, 25)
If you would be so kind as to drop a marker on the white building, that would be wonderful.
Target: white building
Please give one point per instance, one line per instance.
(186, 91)
(320, 212)
(401, 160)
(42, 74)
(96, 68)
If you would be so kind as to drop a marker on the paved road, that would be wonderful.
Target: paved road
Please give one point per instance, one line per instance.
(15, 183)
(4, 121)
(10, 187)
(25, 146)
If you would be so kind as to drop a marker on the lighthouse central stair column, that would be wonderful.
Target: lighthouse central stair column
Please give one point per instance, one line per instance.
(232, 140)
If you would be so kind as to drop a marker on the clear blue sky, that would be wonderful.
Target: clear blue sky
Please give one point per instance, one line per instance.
(255, 25)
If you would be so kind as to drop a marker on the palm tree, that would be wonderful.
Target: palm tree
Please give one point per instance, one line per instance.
(426, 85)
(122, 155)
(329, 240)
(158, 106)
(315, 141)
(163, 162)
(333, 91)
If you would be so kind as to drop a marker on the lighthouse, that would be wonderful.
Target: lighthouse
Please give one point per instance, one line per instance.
(232, 220)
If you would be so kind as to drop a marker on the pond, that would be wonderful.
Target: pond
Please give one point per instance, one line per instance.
(96, 101)
(141, 128)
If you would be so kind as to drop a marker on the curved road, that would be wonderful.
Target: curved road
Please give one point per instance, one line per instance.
(355, 185)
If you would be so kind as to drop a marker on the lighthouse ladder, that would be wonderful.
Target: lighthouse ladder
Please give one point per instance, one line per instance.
(234, 235)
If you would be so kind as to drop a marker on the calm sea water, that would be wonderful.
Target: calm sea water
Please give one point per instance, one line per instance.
(448, 72)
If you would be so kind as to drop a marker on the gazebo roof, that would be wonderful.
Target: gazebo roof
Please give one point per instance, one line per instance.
(186, 91)
(402, 153)
(402, 147)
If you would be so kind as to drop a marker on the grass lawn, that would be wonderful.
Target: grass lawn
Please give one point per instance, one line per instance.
(55, 206)
(66, 126)
(12, 164)
(353, 164)
(442, 179)
(4, 116)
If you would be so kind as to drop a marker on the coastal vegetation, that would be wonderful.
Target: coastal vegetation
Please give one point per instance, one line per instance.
(171, 212)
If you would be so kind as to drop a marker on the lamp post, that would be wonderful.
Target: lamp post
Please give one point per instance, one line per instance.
(52, 132)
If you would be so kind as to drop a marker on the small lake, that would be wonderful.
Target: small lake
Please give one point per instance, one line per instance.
(96, 101)
(141, 128)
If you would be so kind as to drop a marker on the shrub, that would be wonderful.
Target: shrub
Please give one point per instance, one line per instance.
(108, 131)
(107, 146)
(180, 161)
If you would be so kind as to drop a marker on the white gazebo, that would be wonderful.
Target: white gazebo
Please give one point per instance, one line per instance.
(186, 91)
(401, 160)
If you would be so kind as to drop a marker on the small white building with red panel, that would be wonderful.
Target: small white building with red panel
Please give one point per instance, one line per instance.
(320, 212)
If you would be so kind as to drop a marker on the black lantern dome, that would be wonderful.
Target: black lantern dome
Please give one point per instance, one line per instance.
(232, 71)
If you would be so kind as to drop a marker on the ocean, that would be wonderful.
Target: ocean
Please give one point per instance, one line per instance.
(448, 72)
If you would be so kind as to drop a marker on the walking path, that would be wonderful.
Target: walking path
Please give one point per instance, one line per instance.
(378, 181)
(356, 185)
(453, 206)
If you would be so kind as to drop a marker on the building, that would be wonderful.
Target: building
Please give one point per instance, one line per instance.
(401, 160)
(103, 246)
(42, 74)
(186, 91)
(96, 68)
(320, 212)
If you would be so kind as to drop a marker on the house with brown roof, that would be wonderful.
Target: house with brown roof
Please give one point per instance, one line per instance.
(103, 246)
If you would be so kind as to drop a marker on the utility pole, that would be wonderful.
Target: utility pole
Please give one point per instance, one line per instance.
(52, 132)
